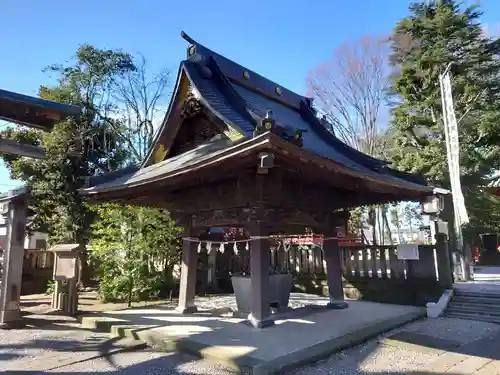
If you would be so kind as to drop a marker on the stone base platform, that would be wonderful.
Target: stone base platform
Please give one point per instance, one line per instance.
(294, 340)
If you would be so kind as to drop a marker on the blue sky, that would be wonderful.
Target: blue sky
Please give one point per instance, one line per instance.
(279, 39)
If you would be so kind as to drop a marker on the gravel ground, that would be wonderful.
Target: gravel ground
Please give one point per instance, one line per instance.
(22, 349)
(20, 346)
(364, 359)
(228, 301)
(145, 362)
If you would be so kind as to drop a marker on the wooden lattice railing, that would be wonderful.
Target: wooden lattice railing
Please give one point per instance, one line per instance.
(358, 261)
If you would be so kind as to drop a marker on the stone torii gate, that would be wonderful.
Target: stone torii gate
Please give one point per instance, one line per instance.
(35, 113)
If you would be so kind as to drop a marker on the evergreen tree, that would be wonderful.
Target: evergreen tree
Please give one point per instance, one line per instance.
(75, 149)
(134, 252)
(435, 34)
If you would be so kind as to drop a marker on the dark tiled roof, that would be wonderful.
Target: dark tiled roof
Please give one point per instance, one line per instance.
(215, 98)
(112, 176)
(134, 176)
(224, 89)
(295, 114)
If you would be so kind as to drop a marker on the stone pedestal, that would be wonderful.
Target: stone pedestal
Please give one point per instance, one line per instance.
(66, 271)
(12, 263)
(189, 268)
(424, 268)
(332, 258)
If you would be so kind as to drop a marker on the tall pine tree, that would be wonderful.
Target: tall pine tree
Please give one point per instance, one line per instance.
(435, 34)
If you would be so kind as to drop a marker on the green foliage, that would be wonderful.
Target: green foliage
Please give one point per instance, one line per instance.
(51, 287)
(484, 212)
(435, 34)
(76, 148)
(133, 252)
(355, 224)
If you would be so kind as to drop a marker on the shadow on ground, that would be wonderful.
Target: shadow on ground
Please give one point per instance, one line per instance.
(172, 362)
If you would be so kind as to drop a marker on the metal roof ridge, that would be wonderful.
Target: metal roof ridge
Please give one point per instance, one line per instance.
(243, 75)
(203, 55)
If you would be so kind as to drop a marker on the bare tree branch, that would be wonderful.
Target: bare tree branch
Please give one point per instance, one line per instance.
(139, 97)
(350, 90)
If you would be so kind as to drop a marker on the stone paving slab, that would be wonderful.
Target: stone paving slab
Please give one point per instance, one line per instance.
(420, 342)
(461, 364)
(492, 368)
(51, 360)
(469, 365)
(291, 342)
(478, 357)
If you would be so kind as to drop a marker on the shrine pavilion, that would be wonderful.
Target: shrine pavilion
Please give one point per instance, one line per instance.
(238, 150)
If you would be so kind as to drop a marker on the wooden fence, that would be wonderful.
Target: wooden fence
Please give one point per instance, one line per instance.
(358, 261)
(370, 272)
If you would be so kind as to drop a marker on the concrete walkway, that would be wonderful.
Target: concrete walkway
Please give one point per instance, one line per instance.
(291, 342)
(479, 286)
(487, 273)
(481, 357)
(428, 346)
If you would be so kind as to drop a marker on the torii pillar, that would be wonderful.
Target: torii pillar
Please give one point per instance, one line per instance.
(11, 262)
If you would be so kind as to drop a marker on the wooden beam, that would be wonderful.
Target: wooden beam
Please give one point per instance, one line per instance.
(12, 147)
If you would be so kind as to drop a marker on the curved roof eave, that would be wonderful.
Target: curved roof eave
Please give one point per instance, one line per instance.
(224, 150)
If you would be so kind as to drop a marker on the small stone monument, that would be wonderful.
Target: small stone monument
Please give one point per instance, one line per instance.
(66, 269)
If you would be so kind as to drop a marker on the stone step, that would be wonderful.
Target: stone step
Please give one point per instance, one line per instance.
(476, 294)
(472, 310)
(480, 308)
(476, 317)
(476, 300)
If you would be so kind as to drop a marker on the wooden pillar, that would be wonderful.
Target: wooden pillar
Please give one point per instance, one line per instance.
(332, 258)
(12, 264)
(212, 266)
(189, 268)
(260, 315)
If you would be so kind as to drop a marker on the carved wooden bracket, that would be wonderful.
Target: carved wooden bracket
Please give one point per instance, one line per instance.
(191, 107)
(278, 218)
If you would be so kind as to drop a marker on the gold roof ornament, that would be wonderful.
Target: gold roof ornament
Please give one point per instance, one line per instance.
(192, 50)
